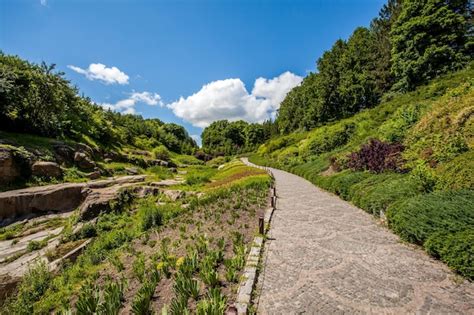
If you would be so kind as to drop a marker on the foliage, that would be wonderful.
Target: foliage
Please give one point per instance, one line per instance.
(161, 153)
(442, 222)
(417, 218)
(429, 37)
(33, 285)
(37, 100)
(455, 249)
(408, 44)
(377, 156)
(213, 304)
(150, 215)
(224, 137)
(141, 301)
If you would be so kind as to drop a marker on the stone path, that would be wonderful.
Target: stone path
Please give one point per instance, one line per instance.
(325, 256)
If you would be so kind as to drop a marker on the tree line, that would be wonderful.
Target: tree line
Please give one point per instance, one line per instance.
(38, 100)
(408, 44)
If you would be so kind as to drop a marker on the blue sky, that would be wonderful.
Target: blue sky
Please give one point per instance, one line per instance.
(164, 50)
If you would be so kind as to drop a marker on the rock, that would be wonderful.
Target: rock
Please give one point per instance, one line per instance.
(116, 181)
(103, 200)
(166, 183)
(60, 197)
(94, 175)
(132, 170)
(64, 154)
(107, 160)
(163, 163)
(173, 169)
(84, 148)
(182, 172)
(174, 195)
(9, 169)
(141, 152)
(46, 169)
(143, 191)
(83, 161)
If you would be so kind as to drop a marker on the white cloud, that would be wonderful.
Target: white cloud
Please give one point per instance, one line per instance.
(127, 105)
(98, 71)
(229, 99)
(197, 138)
(44, 2)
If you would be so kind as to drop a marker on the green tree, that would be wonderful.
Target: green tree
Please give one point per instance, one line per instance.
(430, 37)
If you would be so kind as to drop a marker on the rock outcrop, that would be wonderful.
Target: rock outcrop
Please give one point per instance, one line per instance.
(60, 197)
(9, 171)
(46, 169)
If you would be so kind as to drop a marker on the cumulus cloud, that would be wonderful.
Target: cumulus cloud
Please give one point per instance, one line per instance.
(98, 71)
(44, 2)
(127, 105)
(229, 99)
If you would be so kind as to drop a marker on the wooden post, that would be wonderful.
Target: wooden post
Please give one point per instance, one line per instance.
(261, 225)
(274, 199)
(274, 191)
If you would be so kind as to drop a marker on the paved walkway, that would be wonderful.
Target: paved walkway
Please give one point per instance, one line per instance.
(325, 256)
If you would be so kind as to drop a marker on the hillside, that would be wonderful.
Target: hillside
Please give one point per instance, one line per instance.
(50, 134)
(408, 160)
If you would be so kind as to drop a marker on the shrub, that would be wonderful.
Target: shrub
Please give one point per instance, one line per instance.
(35, 245)
(377, 156)
(378, 192)
(88, 231)
(455, 249)
(32, 287)
(161, 153)
(417, 218)
(457, 174)
(328, 138)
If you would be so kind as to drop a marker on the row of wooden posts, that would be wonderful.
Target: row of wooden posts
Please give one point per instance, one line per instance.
(273, 201)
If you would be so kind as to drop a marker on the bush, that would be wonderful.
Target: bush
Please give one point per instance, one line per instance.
(328, 138)
(455, 249)
(161, 153)
(33, 285)
(377, 156)
(457, 174)
(417, 218)
(378, 192)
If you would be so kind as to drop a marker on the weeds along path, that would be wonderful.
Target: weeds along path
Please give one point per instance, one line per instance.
(326, 256)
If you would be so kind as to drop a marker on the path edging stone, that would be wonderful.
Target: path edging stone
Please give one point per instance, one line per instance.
(249, 278)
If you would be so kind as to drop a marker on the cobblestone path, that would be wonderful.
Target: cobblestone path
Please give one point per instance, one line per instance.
(326, 256)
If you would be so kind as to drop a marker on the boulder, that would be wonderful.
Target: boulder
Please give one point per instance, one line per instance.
(174, 195)
(132, 170)
(103, 200)
(46, 169)
(83, 161)
(9, 170)
(144, 191)
(64, 154)
(60, 197)
(84, 148)
(94, 175)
